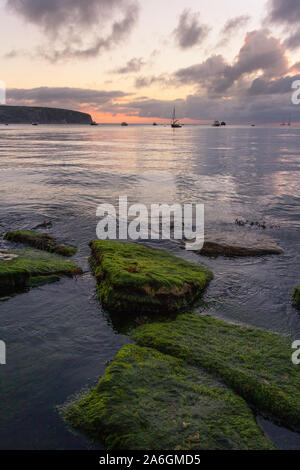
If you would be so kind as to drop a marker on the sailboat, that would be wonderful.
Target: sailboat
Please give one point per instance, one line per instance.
(175, 122)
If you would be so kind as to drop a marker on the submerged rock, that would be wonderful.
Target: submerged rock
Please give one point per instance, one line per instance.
(239, 244)
(132, 278)
(151, 401)
(296, 296)
(255, 363)
(41, 241)
(20, 269)
(44, 224)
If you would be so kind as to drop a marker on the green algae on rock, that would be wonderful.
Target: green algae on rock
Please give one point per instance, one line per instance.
(255, 363)
(20, 269)
(296, 296)
(41, 241)
(132, 278)
(151, 401)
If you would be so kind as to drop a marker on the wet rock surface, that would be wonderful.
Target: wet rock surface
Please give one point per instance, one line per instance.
(241, 243)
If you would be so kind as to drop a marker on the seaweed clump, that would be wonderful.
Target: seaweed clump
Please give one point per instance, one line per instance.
(21, 269)
(40, 241)
(296, 296)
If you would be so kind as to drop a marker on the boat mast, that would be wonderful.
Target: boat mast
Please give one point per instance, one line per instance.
(174, 116)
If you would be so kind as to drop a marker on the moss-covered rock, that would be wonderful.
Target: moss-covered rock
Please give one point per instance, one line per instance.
(255, 363)
(296, 296)
(20, 269)
(151, 401)
(132, 278)
(41, 241)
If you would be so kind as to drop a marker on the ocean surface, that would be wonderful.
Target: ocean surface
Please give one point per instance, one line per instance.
(59, 340)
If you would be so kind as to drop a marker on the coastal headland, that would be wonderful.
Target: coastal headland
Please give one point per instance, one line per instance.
(41, 115)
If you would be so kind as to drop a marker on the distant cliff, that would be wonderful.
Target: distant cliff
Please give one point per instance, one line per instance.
(28, 114)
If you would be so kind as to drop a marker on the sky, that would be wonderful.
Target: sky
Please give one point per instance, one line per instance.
(134, 60)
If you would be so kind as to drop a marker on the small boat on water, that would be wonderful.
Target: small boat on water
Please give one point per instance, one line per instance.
(216, 124)
(34, 123)
(154, 124)
(124, 124)
(175, 124)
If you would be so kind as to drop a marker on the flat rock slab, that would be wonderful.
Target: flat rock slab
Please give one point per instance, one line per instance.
(20, 269)
(151, 401)
(40, 241)
(296, 296)
(7, 256)
(242, 243)
(132, 278)
(255, 363)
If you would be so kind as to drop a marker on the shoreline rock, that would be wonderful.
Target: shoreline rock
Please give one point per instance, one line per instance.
(151, 401)
(234, 244)
(22, 269)
(132, 278)
(40, 241)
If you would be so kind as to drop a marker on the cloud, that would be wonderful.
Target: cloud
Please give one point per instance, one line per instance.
(133, 65)
(62, 97)
(239, 109)
(286, 13)
(264, 52)
(205, 74)
(71, 27)
(232, 26)
(52, 15)
(145, 82)
(261, 53)
(190, 31)
(261, 86)
(293, 41)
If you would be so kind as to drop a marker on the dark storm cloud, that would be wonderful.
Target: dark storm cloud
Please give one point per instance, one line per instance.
(133, 65)
(190, 31)
(233, 25)
(72, 26)
(61, 97)
(260, 52)
(286, 13)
